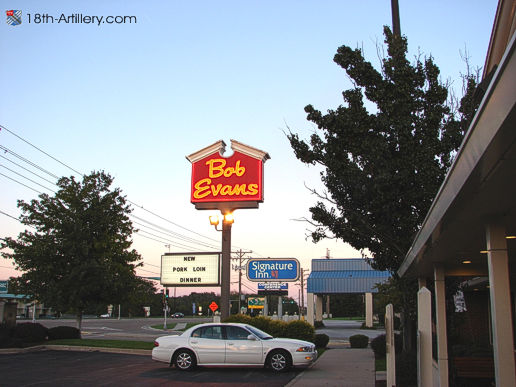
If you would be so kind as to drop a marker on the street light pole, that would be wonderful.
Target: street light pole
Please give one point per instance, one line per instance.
(226, 268)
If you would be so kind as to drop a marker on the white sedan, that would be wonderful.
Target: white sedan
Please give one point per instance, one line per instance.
(231, 344)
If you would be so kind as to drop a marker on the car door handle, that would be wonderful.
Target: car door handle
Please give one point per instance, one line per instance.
(193, 342)
(230, 343)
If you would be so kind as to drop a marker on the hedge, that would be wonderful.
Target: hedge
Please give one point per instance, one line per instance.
(358, 341)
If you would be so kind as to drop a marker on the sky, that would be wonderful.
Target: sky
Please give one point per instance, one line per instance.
(134, 98)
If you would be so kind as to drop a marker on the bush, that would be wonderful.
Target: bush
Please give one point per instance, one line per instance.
(277, 328)
(30, 332)
(262, 323)
(358, 341)
(321, 340)
(63, 332)
(239, 318)
(378, 345)
(301, 330)
(318, 324)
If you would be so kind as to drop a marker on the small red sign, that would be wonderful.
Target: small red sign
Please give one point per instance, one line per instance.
(213, 306)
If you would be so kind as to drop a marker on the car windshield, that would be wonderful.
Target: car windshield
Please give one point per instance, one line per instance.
(262, 335)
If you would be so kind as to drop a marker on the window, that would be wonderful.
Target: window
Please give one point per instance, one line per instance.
(211, 332)
(236, 333)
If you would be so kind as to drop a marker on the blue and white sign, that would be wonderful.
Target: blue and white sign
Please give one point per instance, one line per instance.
(4, 286)
(272, 286)
(273, 270)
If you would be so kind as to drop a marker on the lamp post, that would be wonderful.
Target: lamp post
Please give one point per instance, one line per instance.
(227, 222)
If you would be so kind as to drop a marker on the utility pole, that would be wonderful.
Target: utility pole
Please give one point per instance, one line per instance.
(302, 278)
(240, 255)
(396, 29)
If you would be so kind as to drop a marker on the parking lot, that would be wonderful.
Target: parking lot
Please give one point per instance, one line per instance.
(74, 368)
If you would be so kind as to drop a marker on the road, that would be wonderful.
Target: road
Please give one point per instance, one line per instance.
(140, 328)
(124, 329)
(73, 368)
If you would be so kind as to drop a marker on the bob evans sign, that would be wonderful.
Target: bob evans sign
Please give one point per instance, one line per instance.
(238, 178)
(190, 269)
(274, 270)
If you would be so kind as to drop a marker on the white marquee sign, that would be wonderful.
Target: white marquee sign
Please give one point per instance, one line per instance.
(190, 269)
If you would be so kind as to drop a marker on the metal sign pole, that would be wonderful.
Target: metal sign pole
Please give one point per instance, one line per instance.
(226, 269)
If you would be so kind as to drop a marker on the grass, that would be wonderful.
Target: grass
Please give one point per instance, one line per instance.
(380, 364)
(124, 344)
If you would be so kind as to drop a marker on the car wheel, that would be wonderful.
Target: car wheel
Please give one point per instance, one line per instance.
(184, 360)
(279, 361)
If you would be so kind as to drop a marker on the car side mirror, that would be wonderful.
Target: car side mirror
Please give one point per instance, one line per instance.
(251, 337)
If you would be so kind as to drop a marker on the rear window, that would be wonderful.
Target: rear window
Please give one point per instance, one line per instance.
(210, 332)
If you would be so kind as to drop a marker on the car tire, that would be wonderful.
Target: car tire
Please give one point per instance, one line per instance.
(184, 360)
(279, 361)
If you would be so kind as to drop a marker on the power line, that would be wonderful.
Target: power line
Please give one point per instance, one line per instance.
(174, 243)
(25, 177)
(10, 216)
(171, 233)
(28, 170)
(7, 150)
(169, 221)
(42, 151)
(10, 178)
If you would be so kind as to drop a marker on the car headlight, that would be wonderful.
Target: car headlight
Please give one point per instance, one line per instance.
(304, 349)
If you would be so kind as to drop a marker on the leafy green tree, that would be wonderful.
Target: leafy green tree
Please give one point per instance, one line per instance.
(78, 255)
(384, 153)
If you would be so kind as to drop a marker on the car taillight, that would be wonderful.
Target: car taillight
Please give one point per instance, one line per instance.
(156, 344)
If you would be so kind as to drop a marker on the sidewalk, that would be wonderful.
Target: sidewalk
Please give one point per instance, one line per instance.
(339, 367)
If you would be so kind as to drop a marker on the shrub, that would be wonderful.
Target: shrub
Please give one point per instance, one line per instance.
(261, 323)
(318, 324)
(277, 328)
(301, 330)
(321, 340)
(30, 332)
(378, 345)
(358, 341)
(239, 318)
(63, 332)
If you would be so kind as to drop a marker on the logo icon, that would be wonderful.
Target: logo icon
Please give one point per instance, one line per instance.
(14, 17)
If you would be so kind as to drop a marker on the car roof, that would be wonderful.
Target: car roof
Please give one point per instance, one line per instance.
(215, 324)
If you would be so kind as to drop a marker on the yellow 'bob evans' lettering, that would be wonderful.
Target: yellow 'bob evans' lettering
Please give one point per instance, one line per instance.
(217, 168)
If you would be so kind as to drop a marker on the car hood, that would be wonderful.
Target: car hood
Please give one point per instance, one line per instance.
(292, 342)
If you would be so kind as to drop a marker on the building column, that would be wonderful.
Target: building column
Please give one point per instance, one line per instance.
(369, 310)
(442, 338)
(501, 318)
(280, 306)
(318, 307)
(310, 308)
(390, 347)
(424, 338)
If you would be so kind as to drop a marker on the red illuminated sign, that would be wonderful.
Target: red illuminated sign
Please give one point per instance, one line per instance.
(238, 178)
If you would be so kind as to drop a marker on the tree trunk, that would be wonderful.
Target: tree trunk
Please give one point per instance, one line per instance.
(78, 319)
